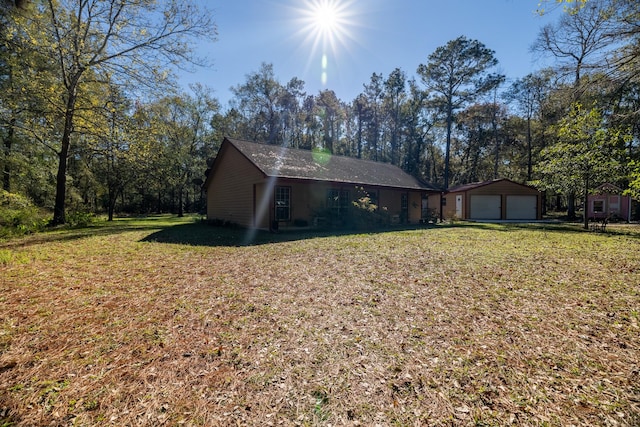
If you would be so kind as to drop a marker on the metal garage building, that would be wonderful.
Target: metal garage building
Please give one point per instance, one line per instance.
(500, 199)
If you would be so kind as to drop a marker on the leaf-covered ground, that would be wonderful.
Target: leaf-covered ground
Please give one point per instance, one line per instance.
(147, 323)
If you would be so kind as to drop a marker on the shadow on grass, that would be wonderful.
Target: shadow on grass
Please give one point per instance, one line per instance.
(203, 234)
(98, 228)
(192, 231)
(627, 230)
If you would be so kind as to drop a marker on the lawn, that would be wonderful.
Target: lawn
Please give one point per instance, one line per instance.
(166, 321)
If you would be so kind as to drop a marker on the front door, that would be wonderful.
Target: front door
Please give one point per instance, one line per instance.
(459, 206)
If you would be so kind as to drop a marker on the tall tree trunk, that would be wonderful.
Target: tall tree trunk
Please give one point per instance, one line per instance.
(494, 124)
(63, 155)
(529, 149)
(180, 203)
(571, 206)
(8, 142)
(586, 207)
(359, 136)
(447, 154)
(112, 204)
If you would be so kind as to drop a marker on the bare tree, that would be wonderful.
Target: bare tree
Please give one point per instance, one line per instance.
(578, 40)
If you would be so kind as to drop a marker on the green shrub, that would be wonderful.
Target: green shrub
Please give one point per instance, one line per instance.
(80, 219)
(366, 215)
(18, 216)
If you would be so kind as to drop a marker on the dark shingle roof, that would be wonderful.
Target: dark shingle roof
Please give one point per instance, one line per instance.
(473, 185)
(276, 161)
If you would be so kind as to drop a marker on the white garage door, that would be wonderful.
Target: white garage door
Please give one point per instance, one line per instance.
(522, 207)
(485, 207)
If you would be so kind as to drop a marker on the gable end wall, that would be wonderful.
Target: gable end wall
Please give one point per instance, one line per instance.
(230, 191)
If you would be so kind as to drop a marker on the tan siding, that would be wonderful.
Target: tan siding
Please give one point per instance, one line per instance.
(230, 190)
(434, 204)
(307, 201)
(263, 205)
(449, 209)
(391, 199)
(415, 207)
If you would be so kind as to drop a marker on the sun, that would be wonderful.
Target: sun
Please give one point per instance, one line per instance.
(326, 24)
(328, 27)
(327, 18)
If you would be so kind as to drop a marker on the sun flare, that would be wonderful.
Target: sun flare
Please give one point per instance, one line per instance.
(327, 24)
(326, 17)
(327, 27)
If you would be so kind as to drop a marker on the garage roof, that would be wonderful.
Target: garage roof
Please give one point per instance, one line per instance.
(472, 186)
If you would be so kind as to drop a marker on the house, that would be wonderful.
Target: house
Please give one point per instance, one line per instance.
(265, 186)
(499, 199)
(607, 201)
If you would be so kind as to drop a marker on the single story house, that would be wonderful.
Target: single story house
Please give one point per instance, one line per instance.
(607, 201)
(266, 186)
(499, 199)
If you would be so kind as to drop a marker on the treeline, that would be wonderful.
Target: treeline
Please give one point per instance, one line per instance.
(91, 120)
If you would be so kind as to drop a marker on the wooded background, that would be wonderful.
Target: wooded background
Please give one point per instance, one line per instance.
(92, 119)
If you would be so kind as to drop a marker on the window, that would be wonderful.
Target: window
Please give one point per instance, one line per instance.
(598, 206)
(338, 201)
(404, 202)
(283, 203)
(404, 208)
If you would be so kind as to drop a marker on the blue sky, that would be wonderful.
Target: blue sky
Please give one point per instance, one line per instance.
(365, 36)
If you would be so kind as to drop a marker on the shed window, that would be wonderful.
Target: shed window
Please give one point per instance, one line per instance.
(283, 203)
(598, 206)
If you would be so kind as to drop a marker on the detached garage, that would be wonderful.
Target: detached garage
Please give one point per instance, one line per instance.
(500, 199)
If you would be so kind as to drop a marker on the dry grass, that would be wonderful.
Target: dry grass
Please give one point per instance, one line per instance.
(464, 325)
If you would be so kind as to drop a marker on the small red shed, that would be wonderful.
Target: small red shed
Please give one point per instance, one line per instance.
(607, 201)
